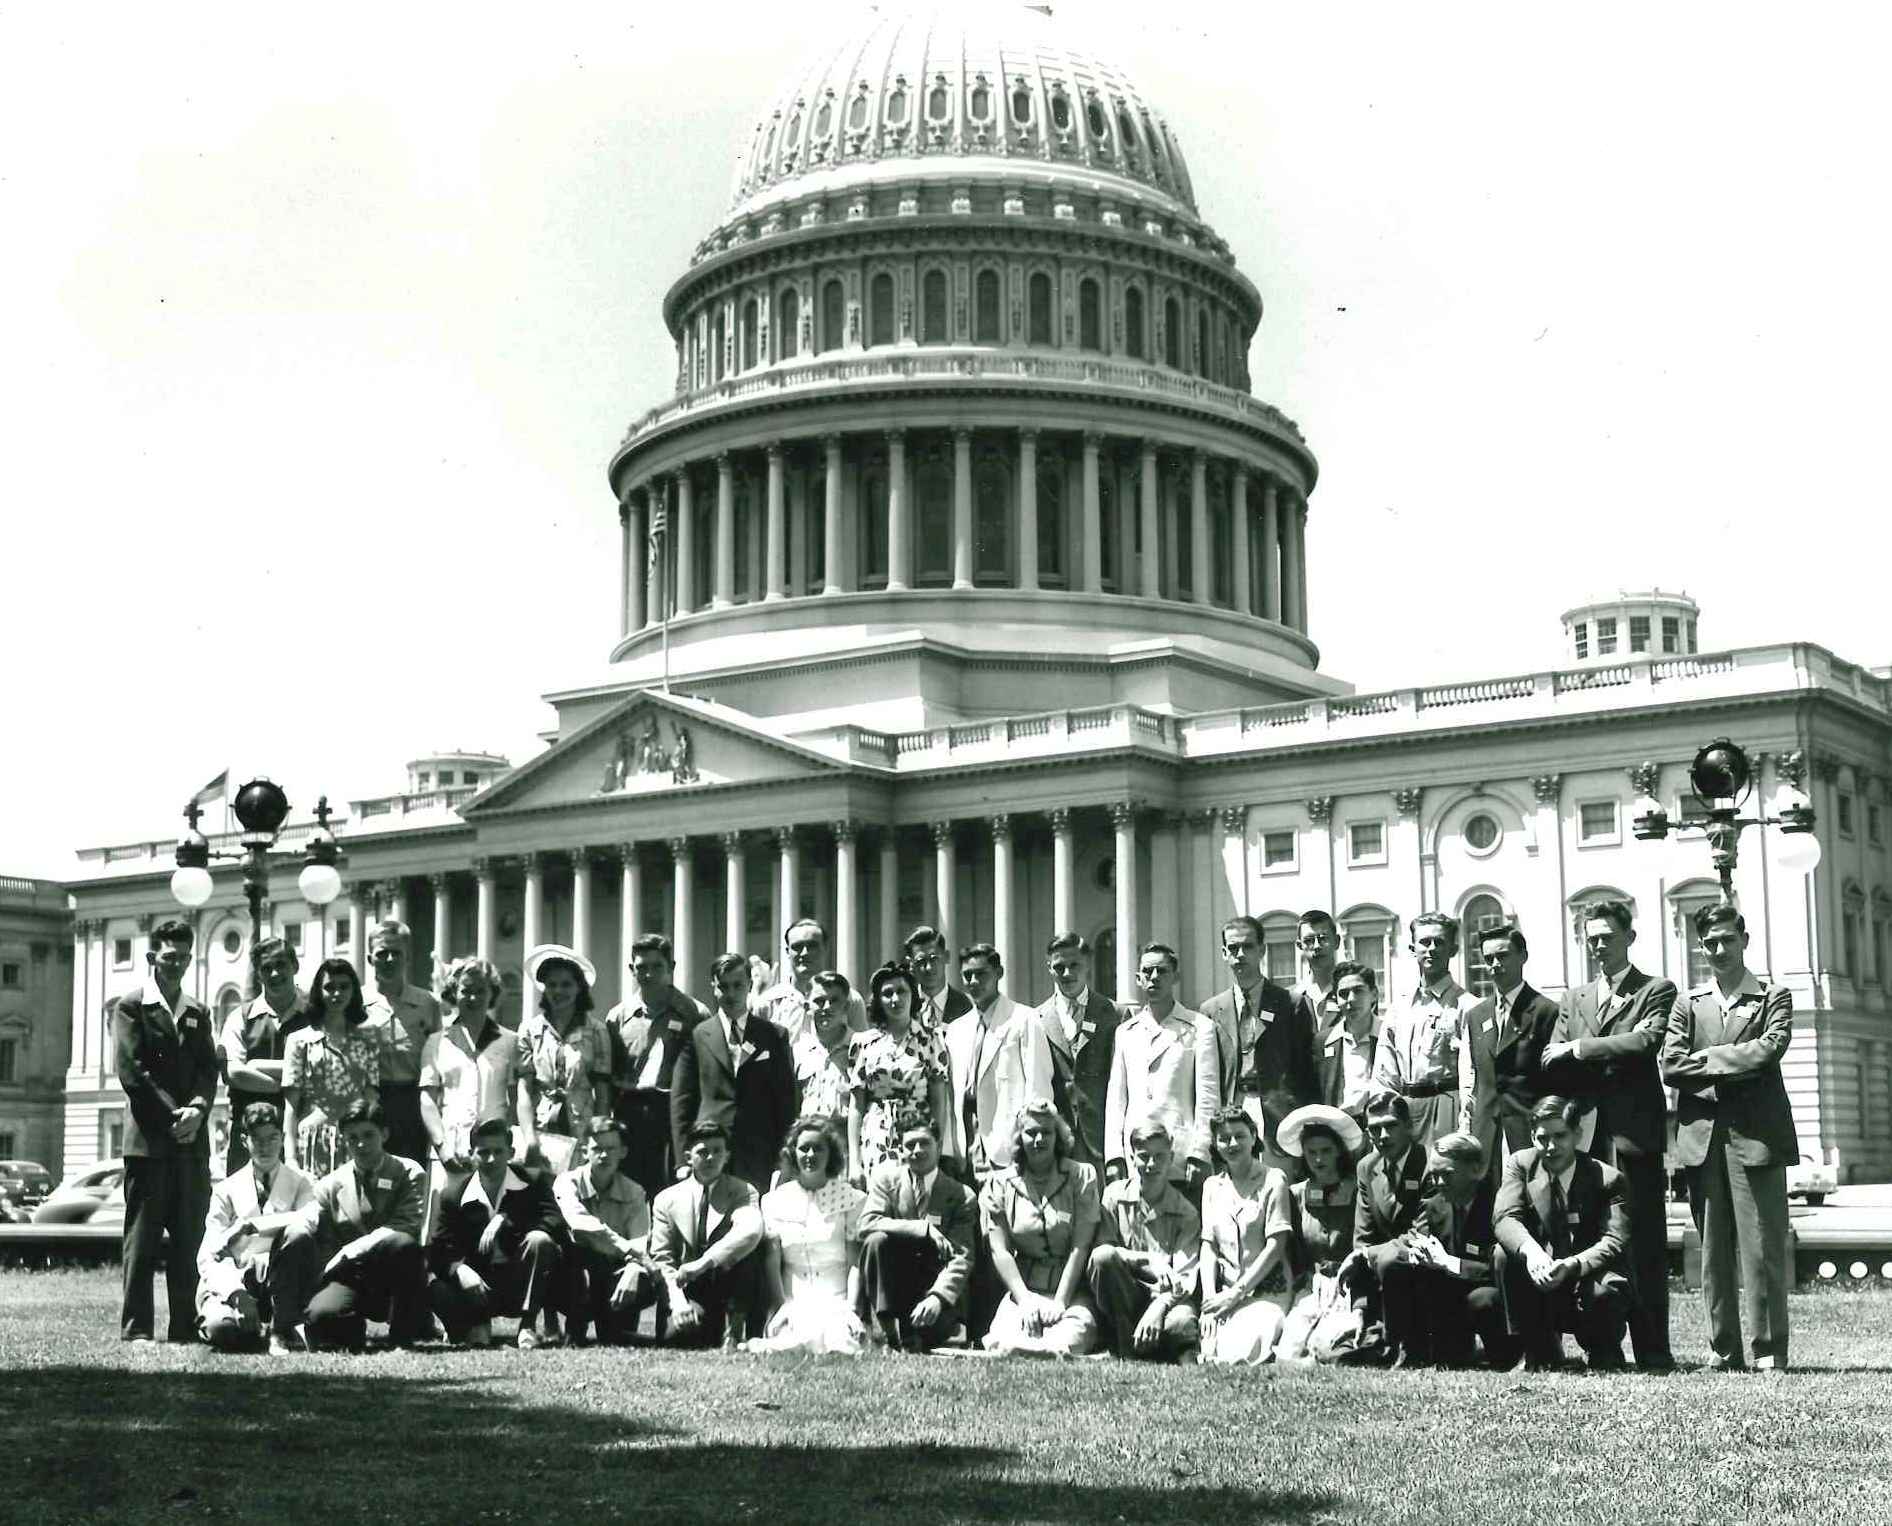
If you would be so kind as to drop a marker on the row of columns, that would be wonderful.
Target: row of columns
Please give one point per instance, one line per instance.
(1273, 523)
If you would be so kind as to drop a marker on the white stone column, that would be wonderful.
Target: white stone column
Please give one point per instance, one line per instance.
(889, 929)
(1201, 576)
(1123, 821)
(1093, 516)
(945, 881)
(531, 933)
(443, 921)
(962, 508)
(1244, 558)
(898, 556)
(1208, 905)
(735, 892)
(397, 900)
(776, 548)
(79, 1052)
(1063, 883)
(358, 925)
(581, 902)
(1293, 605)
(626, 539)
(1166, 896)
(630, 898)
(1151, 581)
(1027, 511)
(1004, 927)
(683, 532)
(833, 562)
(847, 902)
(682, 902)
(1235, 854)
(1270, 550)
(788, 880)
(725, 591)
(1300, 560)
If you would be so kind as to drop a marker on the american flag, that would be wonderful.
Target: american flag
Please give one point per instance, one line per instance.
(659, 516)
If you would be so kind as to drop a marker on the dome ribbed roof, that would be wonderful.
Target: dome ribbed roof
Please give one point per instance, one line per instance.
(978, 89)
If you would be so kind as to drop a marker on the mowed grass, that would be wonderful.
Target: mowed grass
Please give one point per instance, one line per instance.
(100, 1431)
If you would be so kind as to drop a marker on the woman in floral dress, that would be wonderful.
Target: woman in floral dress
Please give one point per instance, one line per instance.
(898, 1062)
(329, 1069)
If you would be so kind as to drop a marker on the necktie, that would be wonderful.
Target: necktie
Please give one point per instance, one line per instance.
(263, 1179)
(918, 1188)
(702, 1219)
(1559, 1218)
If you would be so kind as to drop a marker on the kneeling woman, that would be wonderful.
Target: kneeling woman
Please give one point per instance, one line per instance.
(1040, 1218)
(1246, 1227)
(812, 1224)
(1329, 1142)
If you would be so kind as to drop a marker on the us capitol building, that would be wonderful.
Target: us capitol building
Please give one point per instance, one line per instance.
(980, 599)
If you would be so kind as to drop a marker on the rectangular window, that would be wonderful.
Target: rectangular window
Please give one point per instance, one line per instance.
(292, 934)
(1366, 842)
(1583, 639)
(421, 778)
(1278, 849)
(1597, 822)
(1694, 808)
(9, 1144)
(1671, 634)
(1605, 637)
(1843, 809)
(467, 776)
(9, 1063)
(111, 1133)
(1874, 825)
(341, 932)
(1281, 965)
(1695, 971)
(1366, 944)
(1639, 633)
(10, 976)
(121, 953)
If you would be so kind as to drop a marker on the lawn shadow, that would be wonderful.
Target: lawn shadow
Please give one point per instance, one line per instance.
(377, 1440)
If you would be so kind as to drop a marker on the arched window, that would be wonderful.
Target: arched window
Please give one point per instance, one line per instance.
(1060, 109)
(788, 325)
(933, 549)
(717, 333)
(833, 316)
(824, 119)
(1099, 122)
(792, 137)
(1366, 936)
(1481, 913)
(857, 112)
(981, 104)
(1685, 900)
(1038, 309)
(874, 525)
(1051, 514)
(880, 309)
(1133, 322)
(1021, 104)
(991, 520)
(985, 308)
(1172, 334)
(939, 101)
(1202, 343)
(897, 106)
(1089, 324)
(747, 331)
(933, 328)
(1126, 129)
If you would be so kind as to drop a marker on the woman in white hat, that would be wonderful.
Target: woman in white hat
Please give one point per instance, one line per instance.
(563, 1052)
(1327, 1141)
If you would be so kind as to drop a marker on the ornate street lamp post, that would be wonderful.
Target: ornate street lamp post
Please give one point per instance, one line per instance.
(1723, 779)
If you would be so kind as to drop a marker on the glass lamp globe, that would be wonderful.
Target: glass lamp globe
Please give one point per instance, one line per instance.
(319, 884)
(1799, 852)
(191, 886)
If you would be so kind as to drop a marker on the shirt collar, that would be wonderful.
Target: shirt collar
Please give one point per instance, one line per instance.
(926, 1184)
(476, 1190)
(1440, 993)
(151, 996)
(1075, 1003)
(1750, 986)
(1509, 999)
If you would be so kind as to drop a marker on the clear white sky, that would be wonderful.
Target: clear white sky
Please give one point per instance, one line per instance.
(320, 325)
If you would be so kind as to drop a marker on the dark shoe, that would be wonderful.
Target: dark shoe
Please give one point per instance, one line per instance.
(1406, 1359)
(1607, 1361)
(1660, 1364)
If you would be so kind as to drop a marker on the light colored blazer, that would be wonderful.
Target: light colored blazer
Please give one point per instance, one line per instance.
(235, 1200)
(1167, 1070)
(1014, 1067)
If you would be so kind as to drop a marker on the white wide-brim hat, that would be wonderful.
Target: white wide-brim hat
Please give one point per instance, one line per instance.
(539, 954)
(1287, 1137)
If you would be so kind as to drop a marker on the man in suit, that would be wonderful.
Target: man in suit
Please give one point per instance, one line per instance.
(1417, 1053)
(246, 1276)
(498, 1244)
(999, 1059)
(1604, 1055)
(1735, 1138)
(1264, 1041)
(649, 1032)
(1390, 1183)
(167, 1065)
(930, 960)
(1437, 1290)
(1499, 1076)
(1563, 1234)
(251, 1043)
(1081, 1026)
(366, 1221)
(1142, 1271)
(918, 1230)
(737, 1071)
(705, 1233)
(609, 1278)
(1165, 1067)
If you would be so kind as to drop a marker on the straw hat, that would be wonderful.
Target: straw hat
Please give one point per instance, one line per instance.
(540, 954)
(1288, 1135)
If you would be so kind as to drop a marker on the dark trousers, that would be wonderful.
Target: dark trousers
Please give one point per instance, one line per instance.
(1595, 1309)
(732, 1293)
(407, 1135)
(389, 1282)
(1123, 1290)
(520, 1280)
(164, 1194)
(1433, 1316)
(279, 1283)
(1741, 1211)
(606, 1293)
(236, 1153)
(644, 1114)
(1648, 1186)
(897, 1271)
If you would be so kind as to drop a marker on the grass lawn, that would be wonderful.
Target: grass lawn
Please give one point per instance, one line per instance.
(100, 1431)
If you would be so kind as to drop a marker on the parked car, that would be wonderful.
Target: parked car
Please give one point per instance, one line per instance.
(93, 1196)
(25, 1182)
(1812, 1180)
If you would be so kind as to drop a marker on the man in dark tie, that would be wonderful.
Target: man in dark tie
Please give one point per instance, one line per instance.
(1498, 1074)
(918, 1229)
(704, 1236)
(1264, 1040)
(1080, 1024)
(649, 1031)
(1389, 1183)
(1562, 1223)
(498, 1244)
(736, 1071)
(1438, 1291)
(167, 1065)
(931, 962)
(1604, 1055)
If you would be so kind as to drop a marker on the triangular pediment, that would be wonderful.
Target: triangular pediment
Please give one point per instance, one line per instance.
(652, 744)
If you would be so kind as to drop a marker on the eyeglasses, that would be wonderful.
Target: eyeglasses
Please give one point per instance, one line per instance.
(1065, 969)
(1315, 940)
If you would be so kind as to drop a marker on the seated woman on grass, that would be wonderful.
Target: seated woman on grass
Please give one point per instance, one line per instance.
(1041, 1217)
(812, 1224)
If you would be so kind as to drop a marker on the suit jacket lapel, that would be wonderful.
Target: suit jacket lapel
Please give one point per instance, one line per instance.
(1160, 1040)
(717, 1043)
(1540, 1198)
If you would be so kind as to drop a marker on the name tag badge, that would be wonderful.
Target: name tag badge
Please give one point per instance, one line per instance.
(1087, 1028)
(1412, 1184)
(382, 1181)
(748, 1048)
(1491, 1026)
(1571, 1218)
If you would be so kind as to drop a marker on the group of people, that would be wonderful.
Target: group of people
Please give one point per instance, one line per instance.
(1284, 1175)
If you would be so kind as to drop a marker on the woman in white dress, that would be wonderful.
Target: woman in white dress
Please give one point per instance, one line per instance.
(1246, 1226)
(813, 1228)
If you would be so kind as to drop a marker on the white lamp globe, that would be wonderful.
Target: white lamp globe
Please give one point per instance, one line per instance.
(191, 887)
(319, 884)
(1799, 853)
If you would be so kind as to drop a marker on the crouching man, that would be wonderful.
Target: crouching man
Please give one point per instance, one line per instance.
(609, 1280)
(496, 1246)
(1143, 1274)
(366, 1220)
(918, 1229)
(252, 1273)
(704, 1235)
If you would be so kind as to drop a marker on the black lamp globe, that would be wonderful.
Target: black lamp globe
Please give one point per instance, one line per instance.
(262, 807)
(1720, 771)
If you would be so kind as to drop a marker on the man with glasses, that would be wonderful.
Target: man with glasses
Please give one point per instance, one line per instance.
(1417, 1056)
(1081, 1024)
(1735, 1137)
(1317, 942)
(1604, 1055)
(929, 959)
(251, 1044)
(805, 946)
(649, 1029)
(1344, 1041)
(1165, 1068)
(411, 1017)
(1264, 1039)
